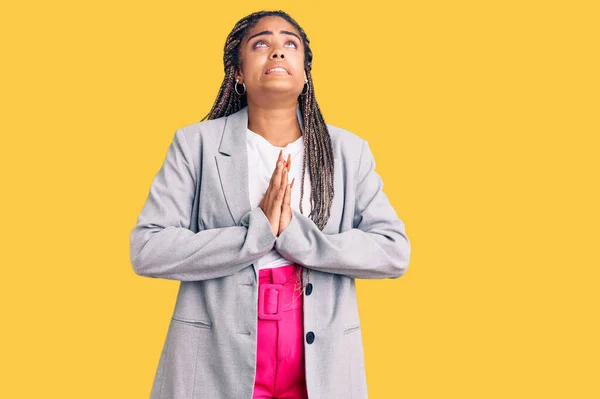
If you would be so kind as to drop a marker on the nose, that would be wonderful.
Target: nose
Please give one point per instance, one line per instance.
(277, 52)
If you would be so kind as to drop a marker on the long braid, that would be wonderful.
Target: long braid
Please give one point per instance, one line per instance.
(318, 151)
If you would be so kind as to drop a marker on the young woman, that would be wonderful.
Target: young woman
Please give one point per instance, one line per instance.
(267, 303)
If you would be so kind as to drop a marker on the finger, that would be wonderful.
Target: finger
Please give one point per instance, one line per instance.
(284, 182)
(279, 158)
(287, 199)
(276, 179)
(278, 166)
(280, 193)
(284, 177)
(292, 185)
(289, 162)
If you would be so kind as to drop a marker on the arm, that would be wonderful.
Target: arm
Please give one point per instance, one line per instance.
(161, 244)
(376, 248)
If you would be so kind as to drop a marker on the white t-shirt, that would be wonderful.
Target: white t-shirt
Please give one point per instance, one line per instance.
(262, 156)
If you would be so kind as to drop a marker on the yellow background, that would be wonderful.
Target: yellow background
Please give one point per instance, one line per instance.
(484, 121)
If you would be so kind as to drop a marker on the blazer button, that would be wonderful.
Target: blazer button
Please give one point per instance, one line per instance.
(308, 288)
(310, 337)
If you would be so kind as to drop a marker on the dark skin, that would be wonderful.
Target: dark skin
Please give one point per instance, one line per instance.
(272, 102)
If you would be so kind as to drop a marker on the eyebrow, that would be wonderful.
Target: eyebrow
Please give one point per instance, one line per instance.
(268, 32)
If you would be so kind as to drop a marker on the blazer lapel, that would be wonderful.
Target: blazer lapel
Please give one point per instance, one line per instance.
(232, 163)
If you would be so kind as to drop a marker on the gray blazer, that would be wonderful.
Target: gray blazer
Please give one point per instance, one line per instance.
(197, 226)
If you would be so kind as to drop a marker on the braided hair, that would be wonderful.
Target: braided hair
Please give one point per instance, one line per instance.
(318, 150)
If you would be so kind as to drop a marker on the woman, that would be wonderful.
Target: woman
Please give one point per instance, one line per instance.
(267, 305)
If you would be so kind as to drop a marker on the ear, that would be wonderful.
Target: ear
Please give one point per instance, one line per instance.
(239, 76)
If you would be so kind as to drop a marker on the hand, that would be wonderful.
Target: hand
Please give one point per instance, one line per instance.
(272, 201)
(286, 209)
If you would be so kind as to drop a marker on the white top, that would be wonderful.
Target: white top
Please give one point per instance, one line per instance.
(262, 156)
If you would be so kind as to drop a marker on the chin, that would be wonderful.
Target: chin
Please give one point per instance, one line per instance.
(286, 89)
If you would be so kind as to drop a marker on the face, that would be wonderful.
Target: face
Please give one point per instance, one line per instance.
(272, 41)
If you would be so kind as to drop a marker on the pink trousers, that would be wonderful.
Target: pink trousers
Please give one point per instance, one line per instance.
(280, 350)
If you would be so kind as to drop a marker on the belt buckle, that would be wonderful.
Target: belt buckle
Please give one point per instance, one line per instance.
(262, 293)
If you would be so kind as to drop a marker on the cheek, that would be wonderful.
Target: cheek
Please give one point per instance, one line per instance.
(299, 72)
(297, 60)
(252, 66)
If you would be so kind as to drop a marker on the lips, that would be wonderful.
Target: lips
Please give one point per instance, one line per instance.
(273, 68)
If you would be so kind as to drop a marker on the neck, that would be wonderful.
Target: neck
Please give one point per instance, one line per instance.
(279, 125)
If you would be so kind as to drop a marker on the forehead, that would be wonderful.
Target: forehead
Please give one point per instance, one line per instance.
(274, 24)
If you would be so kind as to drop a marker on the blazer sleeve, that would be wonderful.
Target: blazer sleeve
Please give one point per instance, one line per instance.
(163, 246)
(377, 247)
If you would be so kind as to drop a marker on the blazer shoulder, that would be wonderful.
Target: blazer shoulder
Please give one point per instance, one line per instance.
(208, 130)
(346, 144)
(200, 137)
